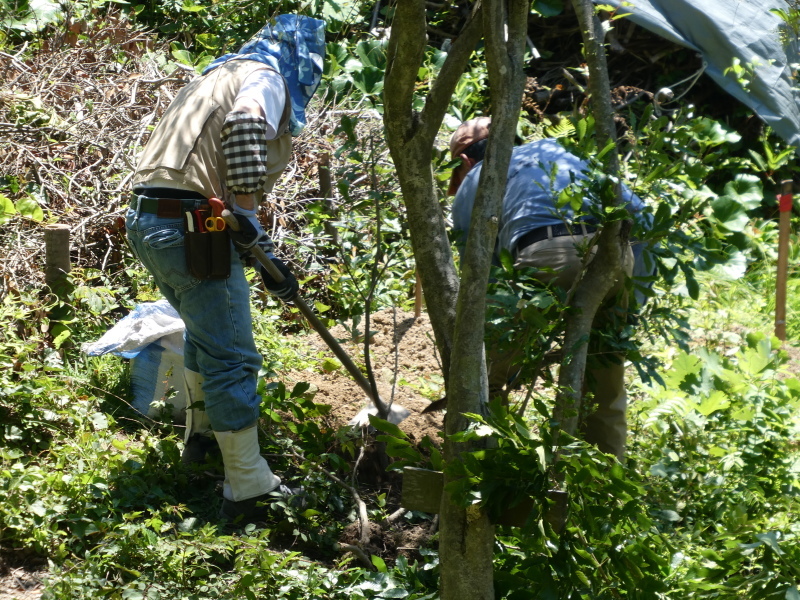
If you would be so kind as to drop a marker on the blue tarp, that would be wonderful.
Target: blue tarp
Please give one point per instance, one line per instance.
(721, 30)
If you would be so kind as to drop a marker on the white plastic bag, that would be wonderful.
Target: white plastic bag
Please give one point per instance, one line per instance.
(152, 337)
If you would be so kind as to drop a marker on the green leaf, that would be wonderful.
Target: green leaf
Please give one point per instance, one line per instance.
(617, 472)
(716, 401)
(42, 13)
(208, 40)
(329, 365)
(730, 214)
(770, 539)
(29, 208)
(369, 80)
(342, 11)
(387, 427)
(733, 269)
(761, 163)
(372, 54)
(746, 190)
(692, 285)
(299, 389)
(7, 209)
(744, 414)
(379, 564)
(400, 449)
(99, 421)
(437, 461)
(668, 515)
(61, 334)
(708, 132)
(394, 593)
(191, 7)
(38, 508)
(684, 366)
(183, 57)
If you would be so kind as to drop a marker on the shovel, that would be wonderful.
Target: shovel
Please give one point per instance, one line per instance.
(388, 412)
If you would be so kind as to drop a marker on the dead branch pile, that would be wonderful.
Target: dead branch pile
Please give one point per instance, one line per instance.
(74, 115)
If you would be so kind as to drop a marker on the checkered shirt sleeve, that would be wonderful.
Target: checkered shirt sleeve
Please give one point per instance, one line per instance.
(244, 145)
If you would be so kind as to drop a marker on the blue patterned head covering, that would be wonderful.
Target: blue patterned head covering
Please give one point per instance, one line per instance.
(294, 46)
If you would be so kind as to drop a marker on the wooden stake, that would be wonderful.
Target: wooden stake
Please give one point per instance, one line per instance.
(56, 247)
(785, 207)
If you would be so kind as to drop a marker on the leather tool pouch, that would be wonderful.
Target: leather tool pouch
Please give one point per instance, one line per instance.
(208, 254)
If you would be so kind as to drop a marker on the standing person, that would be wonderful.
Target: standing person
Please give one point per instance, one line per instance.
(545, 237)
(227, 135)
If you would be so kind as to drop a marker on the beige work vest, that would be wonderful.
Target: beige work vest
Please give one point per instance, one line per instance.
(185, 146)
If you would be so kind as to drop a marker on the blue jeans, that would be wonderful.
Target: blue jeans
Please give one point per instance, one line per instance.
(218, 333)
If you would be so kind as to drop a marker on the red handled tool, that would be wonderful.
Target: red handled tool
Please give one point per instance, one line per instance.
(215, 222)
(200, 220)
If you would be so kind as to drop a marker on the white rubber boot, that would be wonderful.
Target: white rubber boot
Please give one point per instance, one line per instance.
(248, 478)
(199, 439)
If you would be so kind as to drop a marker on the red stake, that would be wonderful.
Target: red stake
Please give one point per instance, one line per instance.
(785, 207)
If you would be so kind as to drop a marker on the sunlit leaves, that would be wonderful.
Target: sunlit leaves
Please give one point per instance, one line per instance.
(7, 209)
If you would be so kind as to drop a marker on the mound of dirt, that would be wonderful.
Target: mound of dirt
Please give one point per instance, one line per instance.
(406, 366)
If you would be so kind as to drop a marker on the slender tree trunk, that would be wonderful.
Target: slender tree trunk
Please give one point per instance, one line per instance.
(606, 267)
(467, 537)
(432, 252)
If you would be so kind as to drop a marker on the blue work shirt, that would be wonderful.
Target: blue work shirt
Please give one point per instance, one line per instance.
(530, 198)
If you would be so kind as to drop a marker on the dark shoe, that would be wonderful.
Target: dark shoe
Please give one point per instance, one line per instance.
(257, 509)
(197, 449)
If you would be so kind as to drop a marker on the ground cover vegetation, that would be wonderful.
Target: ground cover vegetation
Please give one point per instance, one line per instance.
(95, 500)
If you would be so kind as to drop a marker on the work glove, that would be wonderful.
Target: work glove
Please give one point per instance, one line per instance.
(250, 229)
(249, 235)
(287, 289)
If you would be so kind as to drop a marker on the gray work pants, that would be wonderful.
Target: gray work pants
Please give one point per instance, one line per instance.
(606, 427)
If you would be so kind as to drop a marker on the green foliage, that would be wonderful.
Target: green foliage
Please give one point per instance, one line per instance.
(30, 16)
(31, 197)
(524, 319)
(706, 506)
(102, 494)
(355, 72)
(373, 266)
(607, 547)
(471, 95)
(704, 511)
(720, 432)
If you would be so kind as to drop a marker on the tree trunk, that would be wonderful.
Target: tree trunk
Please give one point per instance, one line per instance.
(606, 267)
(466, 544)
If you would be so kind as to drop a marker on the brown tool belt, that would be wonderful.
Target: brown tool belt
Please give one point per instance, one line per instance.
(165, 202)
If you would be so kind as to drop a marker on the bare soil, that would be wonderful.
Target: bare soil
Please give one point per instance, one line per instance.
(406, 366)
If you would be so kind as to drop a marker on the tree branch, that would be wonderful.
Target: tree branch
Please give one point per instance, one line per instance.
(453, 68)
(410, 138)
